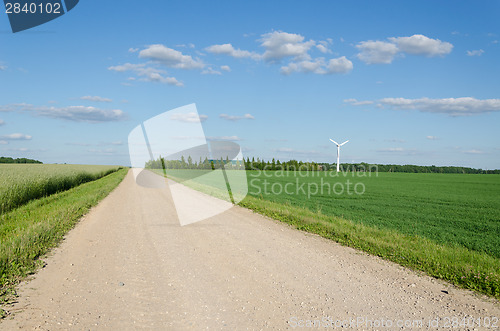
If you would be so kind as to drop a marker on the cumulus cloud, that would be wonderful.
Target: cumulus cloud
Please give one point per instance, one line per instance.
(322, 46)
(225, 68)
(147, 73)
(70, 113)
(355, 102)
(477, 52)
(432, 137)
(451, 106)
(339, 65)
(95, 98)
(170, 57)
(319, 66)
(2, 67)
(376, 52)
(279, 45)
(189, 118)
(133, 50)
(16, 136)
(305, 66)
(421, 45)
(211, 71)
(236, 118)
(228, 49)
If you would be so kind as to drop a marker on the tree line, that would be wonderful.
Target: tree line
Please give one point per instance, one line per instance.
(4, 159)
(294, 165)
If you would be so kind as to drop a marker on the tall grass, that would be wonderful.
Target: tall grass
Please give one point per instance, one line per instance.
(20, 183)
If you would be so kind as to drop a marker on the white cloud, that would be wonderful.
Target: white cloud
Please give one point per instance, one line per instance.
(189, 118)
(211, 71)
(477, 52)
(236, 118)
(228, 49)
(133, 50)
(170, 57)
(149, 74)
(315, 66)
(318, 66)
(95, 98)
(375, 52)
(3, 142)
(279, 45)
(2, 122)
(451, 106)
(2, 67)
(70, 113)
(322, 46)
(339, 65)
(432, 137)
(16, 136)
(225, 68)
(355, 102)
(421, 45)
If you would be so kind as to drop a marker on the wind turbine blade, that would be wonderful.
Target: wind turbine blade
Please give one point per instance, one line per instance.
(333, 141)
(345, 142)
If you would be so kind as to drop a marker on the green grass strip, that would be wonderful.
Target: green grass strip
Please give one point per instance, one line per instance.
(29, 232)
(465, 268)
(37, 181)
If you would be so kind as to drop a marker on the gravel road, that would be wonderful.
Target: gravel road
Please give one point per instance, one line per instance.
(130, 265)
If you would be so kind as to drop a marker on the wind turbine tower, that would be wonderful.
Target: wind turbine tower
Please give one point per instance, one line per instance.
(338, 152)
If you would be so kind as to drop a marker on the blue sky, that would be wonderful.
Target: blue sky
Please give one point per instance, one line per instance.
(407, 82)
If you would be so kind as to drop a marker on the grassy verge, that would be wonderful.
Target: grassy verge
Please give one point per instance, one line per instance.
(29, 232)
(21, 183)
(463, 267)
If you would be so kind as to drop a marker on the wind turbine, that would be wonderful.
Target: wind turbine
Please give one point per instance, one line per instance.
(338, 152)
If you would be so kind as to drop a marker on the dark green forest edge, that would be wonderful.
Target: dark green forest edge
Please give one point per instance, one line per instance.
(4, 159)
(294, 165)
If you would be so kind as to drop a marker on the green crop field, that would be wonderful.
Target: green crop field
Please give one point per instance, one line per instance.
(447, 225)
(20, 183)
(446, 208)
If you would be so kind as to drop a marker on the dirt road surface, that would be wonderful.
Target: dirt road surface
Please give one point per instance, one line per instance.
(130, 265)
